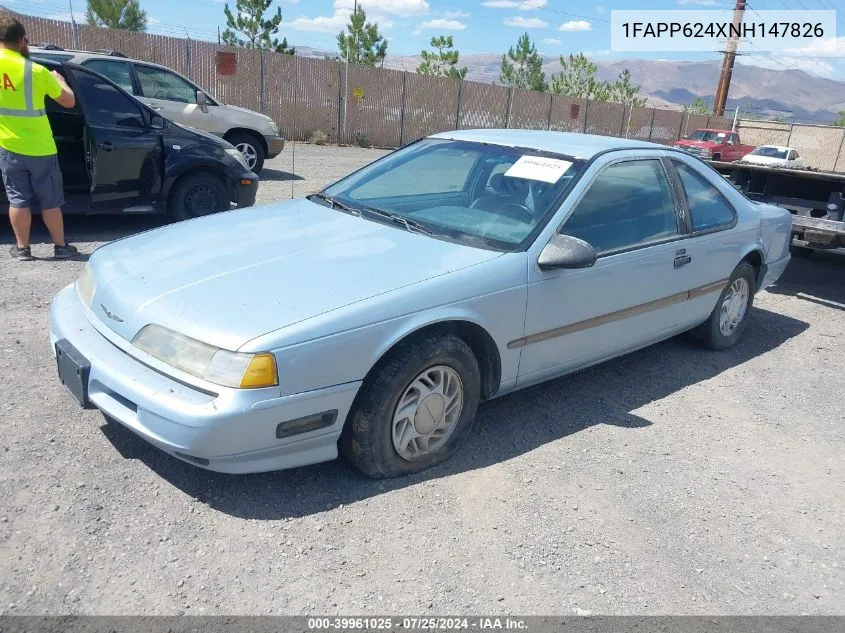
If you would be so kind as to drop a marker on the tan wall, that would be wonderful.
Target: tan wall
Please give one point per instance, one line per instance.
(388, 108)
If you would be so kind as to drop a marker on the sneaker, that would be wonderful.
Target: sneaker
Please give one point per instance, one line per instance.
(64, 252)
(21, 254)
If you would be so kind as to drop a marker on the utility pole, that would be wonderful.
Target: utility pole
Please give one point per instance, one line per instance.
(728, 62)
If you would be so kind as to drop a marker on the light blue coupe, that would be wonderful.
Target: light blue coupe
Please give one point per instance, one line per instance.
(374, 316)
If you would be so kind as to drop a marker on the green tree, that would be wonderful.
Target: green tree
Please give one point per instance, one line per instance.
(840, 119)
(624, 91)
(362, 43)
(444, 61)
(247, 27)
(117, 14)
(522, 67)
(578, 79)
(699, 106)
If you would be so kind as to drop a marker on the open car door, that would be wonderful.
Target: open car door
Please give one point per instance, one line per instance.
(123, 147)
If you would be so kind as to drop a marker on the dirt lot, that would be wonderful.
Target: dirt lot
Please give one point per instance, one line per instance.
(671, 481)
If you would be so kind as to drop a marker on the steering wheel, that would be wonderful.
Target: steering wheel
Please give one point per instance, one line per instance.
(513, 210)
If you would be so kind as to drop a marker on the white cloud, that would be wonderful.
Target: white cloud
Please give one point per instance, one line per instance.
(321, 24)
(527, 5)
(526, 23)
(444, 25)
(450, 15)
(823, 57)
(701, 3)
(600, 9)
(402, 8)
(552, 41)
(376, 12)
(575, 25)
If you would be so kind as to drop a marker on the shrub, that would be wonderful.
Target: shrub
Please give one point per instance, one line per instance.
(318, 137)
(361, 139)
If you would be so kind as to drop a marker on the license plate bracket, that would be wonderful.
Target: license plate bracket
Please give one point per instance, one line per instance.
(74, 370)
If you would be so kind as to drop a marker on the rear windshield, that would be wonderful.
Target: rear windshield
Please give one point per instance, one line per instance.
(770, 152)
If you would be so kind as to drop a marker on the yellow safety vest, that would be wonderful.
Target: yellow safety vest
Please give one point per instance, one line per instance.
(24, 127)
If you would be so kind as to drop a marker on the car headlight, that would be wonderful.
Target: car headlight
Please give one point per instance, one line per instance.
(274, 126)
(222, 367)
(85, 286)
(236, 154)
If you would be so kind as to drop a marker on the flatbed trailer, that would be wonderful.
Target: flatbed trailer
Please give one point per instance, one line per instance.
(816, 200)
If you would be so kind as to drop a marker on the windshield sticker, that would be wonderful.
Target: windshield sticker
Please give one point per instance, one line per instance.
(538, 168)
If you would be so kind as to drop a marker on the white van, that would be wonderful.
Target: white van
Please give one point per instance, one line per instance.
(178, 99)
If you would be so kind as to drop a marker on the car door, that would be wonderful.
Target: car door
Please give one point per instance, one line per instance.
(632, 296)
(174, 97)
(123, 153)
(713, 245)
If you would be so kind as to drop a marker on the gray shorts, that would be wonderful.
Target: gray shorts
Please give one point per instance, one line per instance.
(32, 181)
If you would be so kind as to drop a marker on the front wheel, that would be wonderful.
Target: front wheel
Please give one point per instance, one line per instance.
(252, 150)
(416, 409)
(730, 316)
(198, 195)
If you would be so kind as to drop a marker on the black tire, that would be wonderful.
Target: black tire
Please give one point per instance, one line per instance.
(717, 157)
(367, 439)
(242, 140)
(198, 195)
(800, 251)
(709, 333)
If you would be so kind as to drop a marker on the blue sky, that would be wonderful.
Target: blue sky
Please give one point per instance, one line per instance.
(478, 26)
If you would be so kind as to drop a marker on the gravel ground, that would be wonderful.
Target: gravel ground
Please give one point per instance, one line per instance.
(671, 481)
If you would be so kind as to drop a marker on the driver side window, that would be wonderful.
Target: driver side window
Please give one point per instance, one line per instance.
(162, 84)
(627, 205)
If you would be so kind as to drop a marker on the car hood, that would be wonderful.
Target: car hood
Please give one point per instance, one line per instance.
(205, 136)
(691, 143)
(234, 276)
(763, 160)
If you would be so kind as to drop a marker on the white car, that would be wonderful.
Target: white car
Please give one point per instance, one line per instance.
(774, 156)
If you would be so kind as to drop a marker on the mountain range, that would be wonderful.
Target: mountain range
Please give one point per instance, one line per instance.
(793, 95)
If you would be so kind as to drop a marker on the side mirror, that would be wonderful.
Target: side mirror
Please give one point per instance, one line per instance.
(202, 100)
(565, 251)
(157, 122)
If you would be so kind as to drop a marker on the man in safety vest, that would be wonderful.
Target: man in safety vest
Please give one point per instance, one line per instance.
(28, 156)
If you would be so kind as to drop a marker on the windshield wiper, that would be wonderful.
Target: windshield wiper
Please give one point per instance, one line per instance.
(410, 225)
(336, 204)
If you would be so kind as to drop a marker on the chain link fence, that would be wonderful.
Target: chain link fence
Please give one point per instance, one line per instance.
(389, 108)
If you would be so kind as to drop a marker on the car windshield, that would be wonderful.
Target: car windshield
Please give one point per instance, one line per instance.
(707, 135)
(487, 195)
(49, 56)
(770, 152)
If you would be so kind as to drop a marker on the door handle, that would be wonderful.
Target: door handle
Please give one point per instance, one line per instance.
(682, 260)
(106, 145)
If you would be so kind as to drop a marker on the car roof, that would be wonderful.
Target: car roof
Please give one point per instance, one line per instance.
(81, 56)
(583, 146)
(780, 148)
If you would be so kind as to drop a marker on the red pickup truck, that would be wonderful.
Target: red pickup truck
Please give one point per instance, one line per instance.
(722, 145)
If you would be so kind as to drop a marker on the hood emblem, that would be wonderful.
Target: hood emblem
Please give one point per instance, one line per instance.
(111, 314)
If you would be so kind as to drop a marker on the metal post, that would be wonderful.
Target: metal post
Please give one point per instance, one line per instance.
(189, 59)
(510, 105)
(458, 115)
(341, 118)
(586, 110)
(551, 102)
(789, 136)
(839, 152)
(651, 127)
(402, 109)
(736, 119)
(346, 81)
(261, 81)
(681, 127)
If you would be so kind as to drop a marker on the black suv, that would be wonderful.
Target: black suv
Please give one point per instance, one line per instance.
(119, 156)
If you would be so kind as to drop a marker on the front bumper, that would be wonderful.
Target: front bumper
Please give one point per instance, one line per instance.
(275, 145)
(244, 189)
(233, 431)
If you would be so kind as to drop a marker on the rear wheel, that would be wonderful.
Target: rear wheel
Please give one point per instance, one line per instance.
(198, 195)
(730, 316)
(717, 157)
(416, 409)
(252, 150)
